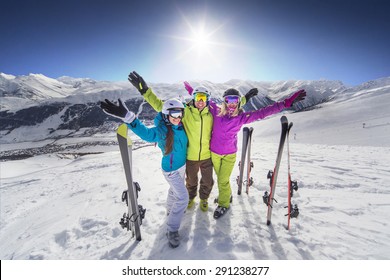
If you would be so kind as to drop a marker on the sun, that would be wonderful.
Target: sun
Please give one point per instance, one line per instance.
(201, 40)
(201, 46)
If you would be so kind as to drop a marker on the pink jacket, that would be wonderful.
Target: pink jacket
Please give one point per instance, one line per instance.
(225, 129)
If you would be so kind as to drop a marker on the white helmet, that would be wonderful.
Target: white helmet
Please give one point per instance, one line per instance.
(202, 90)
(170, 104)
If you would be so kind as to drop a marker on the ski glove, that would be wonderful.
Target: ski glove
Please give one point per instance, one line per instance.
(188, 87)
(297, 96)
(138, 82)
(253, 92)
(118, 111)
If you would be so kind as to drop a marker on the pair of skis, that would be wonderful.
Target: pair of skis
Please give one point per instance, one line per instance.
(245, 157)
(132, 219)
(268, 198)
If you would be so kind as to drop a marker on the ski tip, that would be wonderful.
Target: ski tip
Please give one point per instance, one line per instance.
(283, 119)
(122, 131)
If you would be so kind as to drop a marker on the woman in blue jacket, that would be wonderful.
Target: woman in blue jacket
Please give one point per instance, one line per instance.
(172, 140)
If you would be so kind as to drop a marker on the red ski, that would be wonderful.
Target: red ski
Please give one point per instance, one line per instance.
(292, 211)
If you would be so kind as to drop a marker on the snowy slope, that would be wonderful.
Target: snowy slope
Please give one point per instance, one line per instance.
(356, 118)
(60, 206)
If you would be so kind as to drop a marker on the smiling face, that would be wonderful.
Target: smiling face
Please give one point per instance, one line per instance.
(200, 100)
(231, 102)
(174, 121)
(200, 105)
(231, 107)
(175, 116)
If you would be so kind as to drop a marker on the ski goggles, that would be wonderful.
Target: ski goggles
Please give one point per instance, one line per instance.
(176, 113)
(200, 96)
(232, 99)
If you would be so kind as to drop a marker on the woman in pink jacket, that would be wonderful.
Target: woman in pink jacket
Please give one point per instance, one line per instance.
(228, 120)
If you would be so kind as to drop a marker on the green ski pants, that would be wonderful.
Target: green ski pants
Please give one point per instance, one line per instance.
(223, 166)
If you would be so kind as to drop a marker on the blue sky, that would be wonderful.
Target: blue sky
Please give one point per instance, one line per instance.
(171, 41)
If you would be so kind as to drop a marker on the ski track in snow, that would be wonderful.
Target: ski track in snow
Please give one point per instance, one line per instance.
(72, 209)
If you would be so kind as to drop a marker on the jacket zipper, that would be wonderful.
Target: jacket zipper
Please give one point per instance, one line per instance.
(201, 134)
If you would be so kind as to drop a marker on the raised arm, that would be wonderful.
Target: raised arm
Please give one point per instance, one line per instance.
(248, 117)
(251, 93)
(262, 113)
(138, 82)
(120, 111)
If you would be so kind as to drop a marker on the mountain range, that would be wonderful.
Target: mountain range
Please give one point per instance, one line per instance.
(36, 107)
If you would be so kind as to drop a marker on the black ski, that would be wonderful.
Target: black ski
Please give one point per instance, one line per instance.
(241, 163)
(292, 211)
(249, 163)
(268, 198)
(131, 220)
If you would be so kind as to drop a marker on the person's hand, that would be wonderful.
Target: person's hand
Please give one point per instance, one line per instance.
(253, 92)
(118, 111)
(138, 82)
(295, 97)
(188, 87)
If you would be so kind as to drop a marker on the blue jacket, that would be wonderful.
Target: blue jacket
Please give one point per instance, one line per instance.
(177, 158)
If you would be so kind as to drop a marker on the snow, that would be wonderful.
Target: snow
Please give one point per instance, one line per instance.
(7, 76)
(67, 207)
(61, 208)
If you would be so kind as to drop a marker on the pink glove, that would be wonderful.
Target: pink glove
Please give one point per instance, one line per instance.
(188, 87)
(297, 96)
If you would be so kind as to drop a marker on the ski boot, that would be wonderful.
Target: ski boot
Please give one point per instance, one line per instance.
(220, 211)
(204, 205)
(191, 203)
(173, 239)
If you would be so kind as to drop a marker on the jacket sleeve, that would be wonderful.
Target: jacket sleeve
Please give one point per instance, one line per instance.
(213, 108)
(153, 100)
(248, 117)
(145, 133)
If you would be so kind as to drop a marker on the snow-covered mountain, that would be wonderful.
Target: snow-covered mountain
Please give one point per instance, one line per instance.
(34, 87)
(20, 92)
(36, 108)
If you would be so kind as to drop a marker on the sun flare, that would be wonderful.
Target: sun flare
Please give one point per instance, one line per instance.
(202, 46)
(200, 40)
